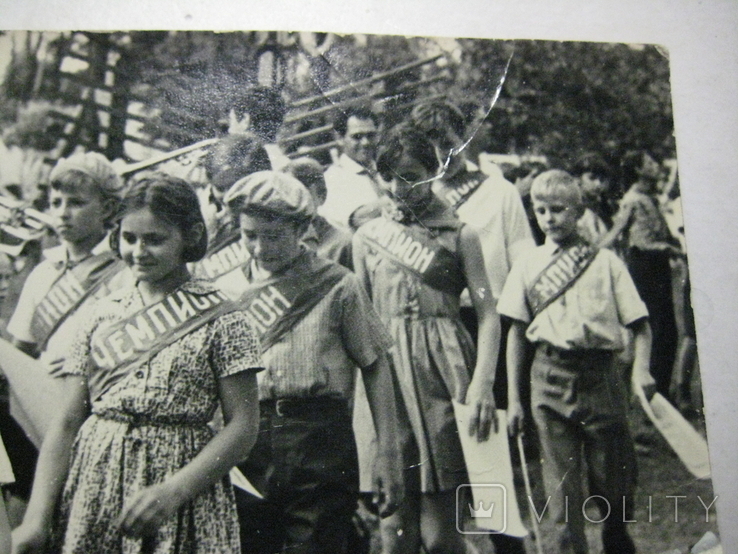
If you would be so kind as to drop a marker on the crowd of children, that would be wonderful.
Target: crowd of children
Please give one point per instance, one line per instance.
(194, 329)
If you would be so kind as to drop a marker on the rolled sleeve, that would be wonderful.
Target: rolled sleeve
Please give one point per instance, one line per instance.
(513, 302)
(630, 307)
(363, 333)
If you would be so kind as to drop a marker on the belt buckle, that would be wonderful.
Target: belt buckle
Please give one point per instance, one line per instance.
(279, 404)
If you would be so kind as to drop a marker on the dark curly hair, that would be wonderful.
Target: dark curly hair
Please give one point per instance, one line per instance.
(405, 139)
(267, 109)
(340, 123)
(233, 158)
(436, 118)
(172, 200)
(630, 165)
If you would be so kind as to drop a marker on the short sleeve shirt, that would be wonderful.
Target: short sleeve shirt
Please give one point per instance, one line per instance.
(37, 285)
(349, 186)
(496, 210)
(590, 314)
(319, 355)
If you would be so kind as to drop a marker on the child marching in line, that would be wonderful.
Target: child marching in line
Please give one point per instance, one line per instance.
(131, 465)
(230, 159)
(329, 240)
(493, 206)
(415, 262)
(84, 198)
(488, 202)
(571, 300)
(316, 327)
(85, 194)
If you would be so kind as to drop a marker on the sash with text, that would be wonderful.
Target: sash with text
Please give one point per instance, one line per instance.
(129, 343)
(224, 258)
(457, 195)
(69, 291)
(559, 276)
(417, 253)
(276, 305)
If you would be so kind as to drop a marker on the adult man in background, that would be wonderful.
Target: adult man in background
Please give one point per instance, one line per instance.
(352, 182)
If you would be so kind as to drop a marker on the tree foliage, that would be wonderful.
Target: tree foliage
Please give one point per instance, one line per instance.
(562, 99)
(559, 99)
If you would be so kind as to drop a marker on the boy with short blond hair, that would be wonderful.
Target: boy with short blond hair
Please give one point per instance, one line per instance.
(571, 300)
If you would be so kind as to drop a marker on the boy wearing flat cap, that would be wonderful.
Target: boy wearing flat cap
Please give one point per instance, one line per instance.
(316, 326)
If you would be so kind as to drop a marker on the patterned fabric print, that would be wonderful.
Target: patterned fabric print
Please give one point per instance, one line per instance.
(646, 224)
(145, 428)
(432, 355)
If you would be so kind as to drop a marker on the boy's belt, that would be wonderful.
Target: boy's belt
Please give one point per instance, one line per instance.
(308, 407)
(551, 351)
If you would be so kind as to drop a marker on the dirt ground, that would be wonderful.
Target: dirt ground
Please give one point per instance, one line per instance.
(658, 529)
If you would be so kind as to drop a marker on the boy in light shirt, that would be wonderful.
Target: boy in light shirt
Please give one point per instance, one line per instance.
(571, 301)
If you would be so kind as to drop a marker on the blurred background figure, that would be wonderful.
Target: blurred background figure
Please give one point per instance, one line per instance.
(649, 247)
(594, 178)
(261, 111)
(329, 240)
(230, 159)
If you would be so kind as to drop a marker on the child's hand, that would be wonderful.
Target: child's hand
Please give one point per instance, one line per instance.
(484, 413)
(148, 509)
(645, 383)
(515, 418)
(27, 540)
(388, 482)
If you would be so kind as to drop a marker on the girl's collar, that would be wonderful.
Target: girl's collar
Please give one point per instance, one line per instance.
(431, 209)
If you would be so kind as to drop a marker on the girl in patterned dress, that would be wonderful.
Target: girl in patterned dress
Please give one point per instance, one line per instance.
(433, 354)
(132, 466)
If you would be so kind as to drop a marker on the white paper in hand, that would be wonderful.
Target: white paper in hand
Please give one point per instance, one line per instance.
(684, 439)
(36, 396)
(490, 476)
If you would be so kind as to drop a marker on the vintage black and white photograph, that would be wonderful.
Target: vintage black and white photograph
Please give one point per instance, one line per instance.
(311, 292)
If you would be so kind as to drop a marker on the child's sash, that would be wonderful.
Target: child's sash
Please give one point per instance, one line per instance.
(276, 305)
(224, 258)
(69, 291)
(455, 196)
(559, 276)
(129, 343)
(416, 253)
